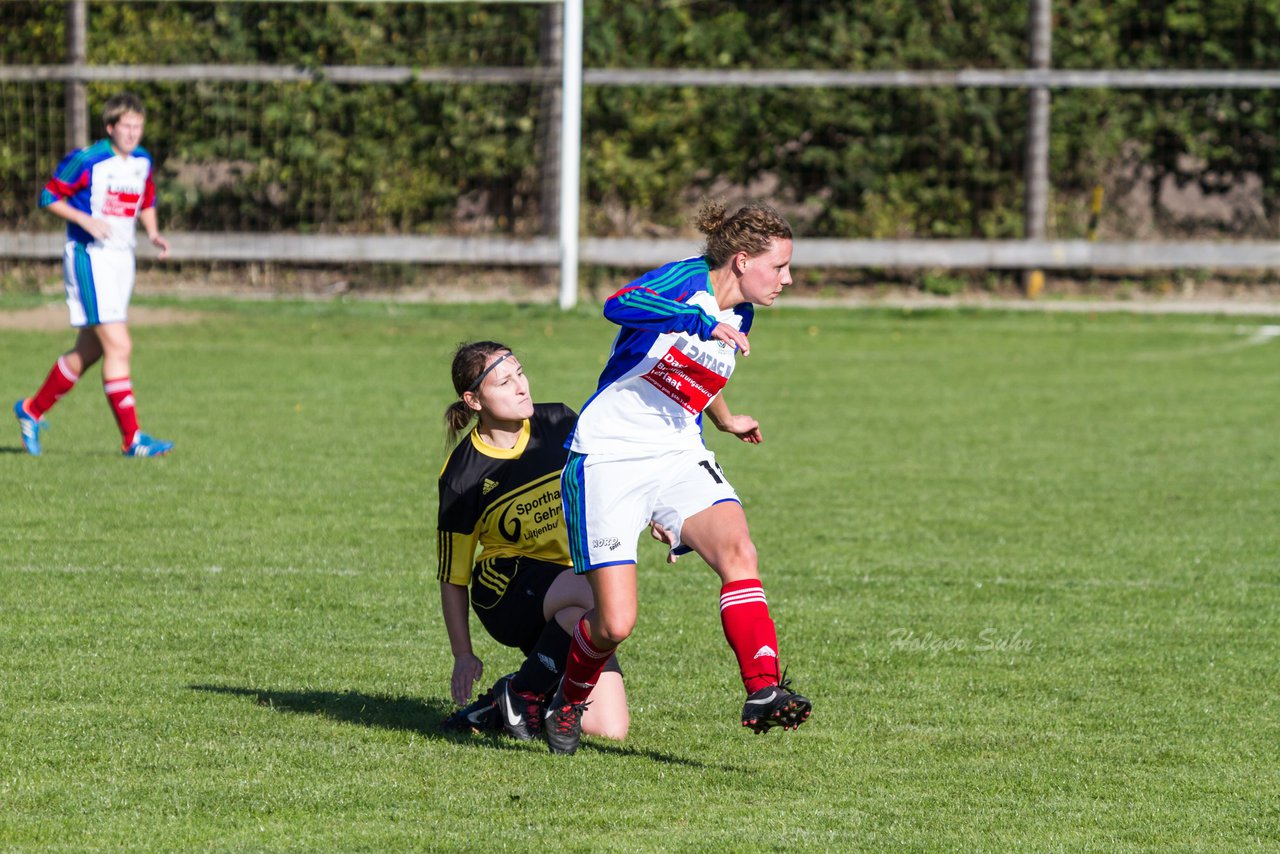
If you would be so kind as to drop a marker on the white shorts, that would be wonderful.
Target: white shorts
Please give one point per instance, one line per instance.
(608, 500)
(99, 283)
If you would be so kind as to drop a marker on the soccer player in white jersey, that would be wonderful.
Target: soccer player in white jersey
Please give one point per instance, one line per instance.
(101, 191)
(637, 457)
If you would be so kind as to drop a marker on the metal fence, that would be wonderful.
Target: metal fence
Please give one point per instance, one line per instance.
(551, 76)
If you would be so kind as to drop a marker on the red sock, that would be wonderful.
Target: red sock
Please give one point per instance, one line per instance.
(586, 663)
(120, 395)
(750, 632)
(61, 380)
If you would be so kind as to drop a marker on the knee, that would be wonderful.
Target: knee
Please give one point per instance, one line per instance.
(118, 350)
(739, 562)
(616, 728)
(84, 356)
(567, 618)
(116, 345)
(613, 630)
(608, 715)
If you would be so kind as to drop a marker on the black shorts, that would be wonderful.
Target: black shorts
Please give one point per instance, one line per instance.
(507, 595)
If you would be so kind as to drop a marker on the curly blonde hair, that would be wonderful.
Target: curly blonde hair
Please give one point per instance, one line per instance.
(749, 230)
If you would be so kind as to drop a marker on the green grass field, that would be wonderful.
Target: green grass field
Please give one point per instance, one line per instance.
(1025, 566)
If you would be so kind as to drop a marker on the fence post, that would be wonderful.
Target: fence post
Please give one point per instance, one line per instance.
(1036, 174)
(551, 55)
(77, 107)
(570, 153)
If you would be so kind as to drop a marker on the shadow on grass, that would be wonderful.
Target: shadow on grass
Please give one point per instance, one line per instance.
(20, 451)
(615, 749)
(352, 707)
(413, 715)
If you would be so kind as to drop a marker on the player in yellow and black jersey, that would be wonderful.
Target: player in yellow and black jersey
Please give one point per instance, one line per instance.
(503, 549)
(507, 501)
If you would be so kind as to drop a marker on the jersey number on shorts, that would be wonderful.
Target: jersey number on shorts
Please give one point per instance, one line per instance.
(713, 470)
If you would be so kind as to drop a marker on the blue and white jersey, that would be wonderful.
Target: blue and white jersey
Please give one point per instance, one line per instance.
(664, 368)
(105, 185)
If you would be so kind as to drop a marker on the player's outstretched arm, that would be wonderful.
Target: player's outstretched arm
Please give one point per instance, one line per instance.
(662, 535)
(639, 307)
(744, 427)
(149, 222)
(729, 335)
(99, 228)
(467, 666)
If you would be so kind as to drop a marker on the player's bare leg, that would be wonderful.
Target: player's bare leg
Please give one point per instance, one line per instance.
(116, 345)
(595, 638)
(117, 350)
(606, 714)
(62, 377)
(721, 536)
(616, 598)
(86, 352)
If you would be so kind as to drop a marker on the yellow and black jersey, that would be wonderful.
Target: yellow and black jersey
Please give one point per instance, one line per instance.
(506, 500)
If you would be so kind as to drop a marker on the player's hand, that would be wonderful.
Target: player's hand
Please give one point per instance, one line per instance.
(99, 228)
(662, 535)
(158, 241)
(744, 427)
(467, 670)
(726, 333)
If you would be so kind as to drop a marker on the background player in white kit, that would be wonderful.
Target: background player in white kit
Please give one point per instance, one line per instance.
(101, 191)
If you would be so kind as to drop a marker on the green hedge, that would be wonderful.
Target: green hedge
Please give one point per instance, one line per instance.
(856, 163)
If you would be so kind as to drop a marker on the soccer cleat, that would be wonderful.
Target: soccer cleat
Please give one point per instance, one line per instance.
(146, 446)
(31, 428)
(775, 705)
(480, 716)
(519, 712)
(562, 724)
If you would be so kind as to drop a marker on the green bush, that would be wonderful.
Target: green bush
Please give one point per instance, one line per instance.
(878, 163)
